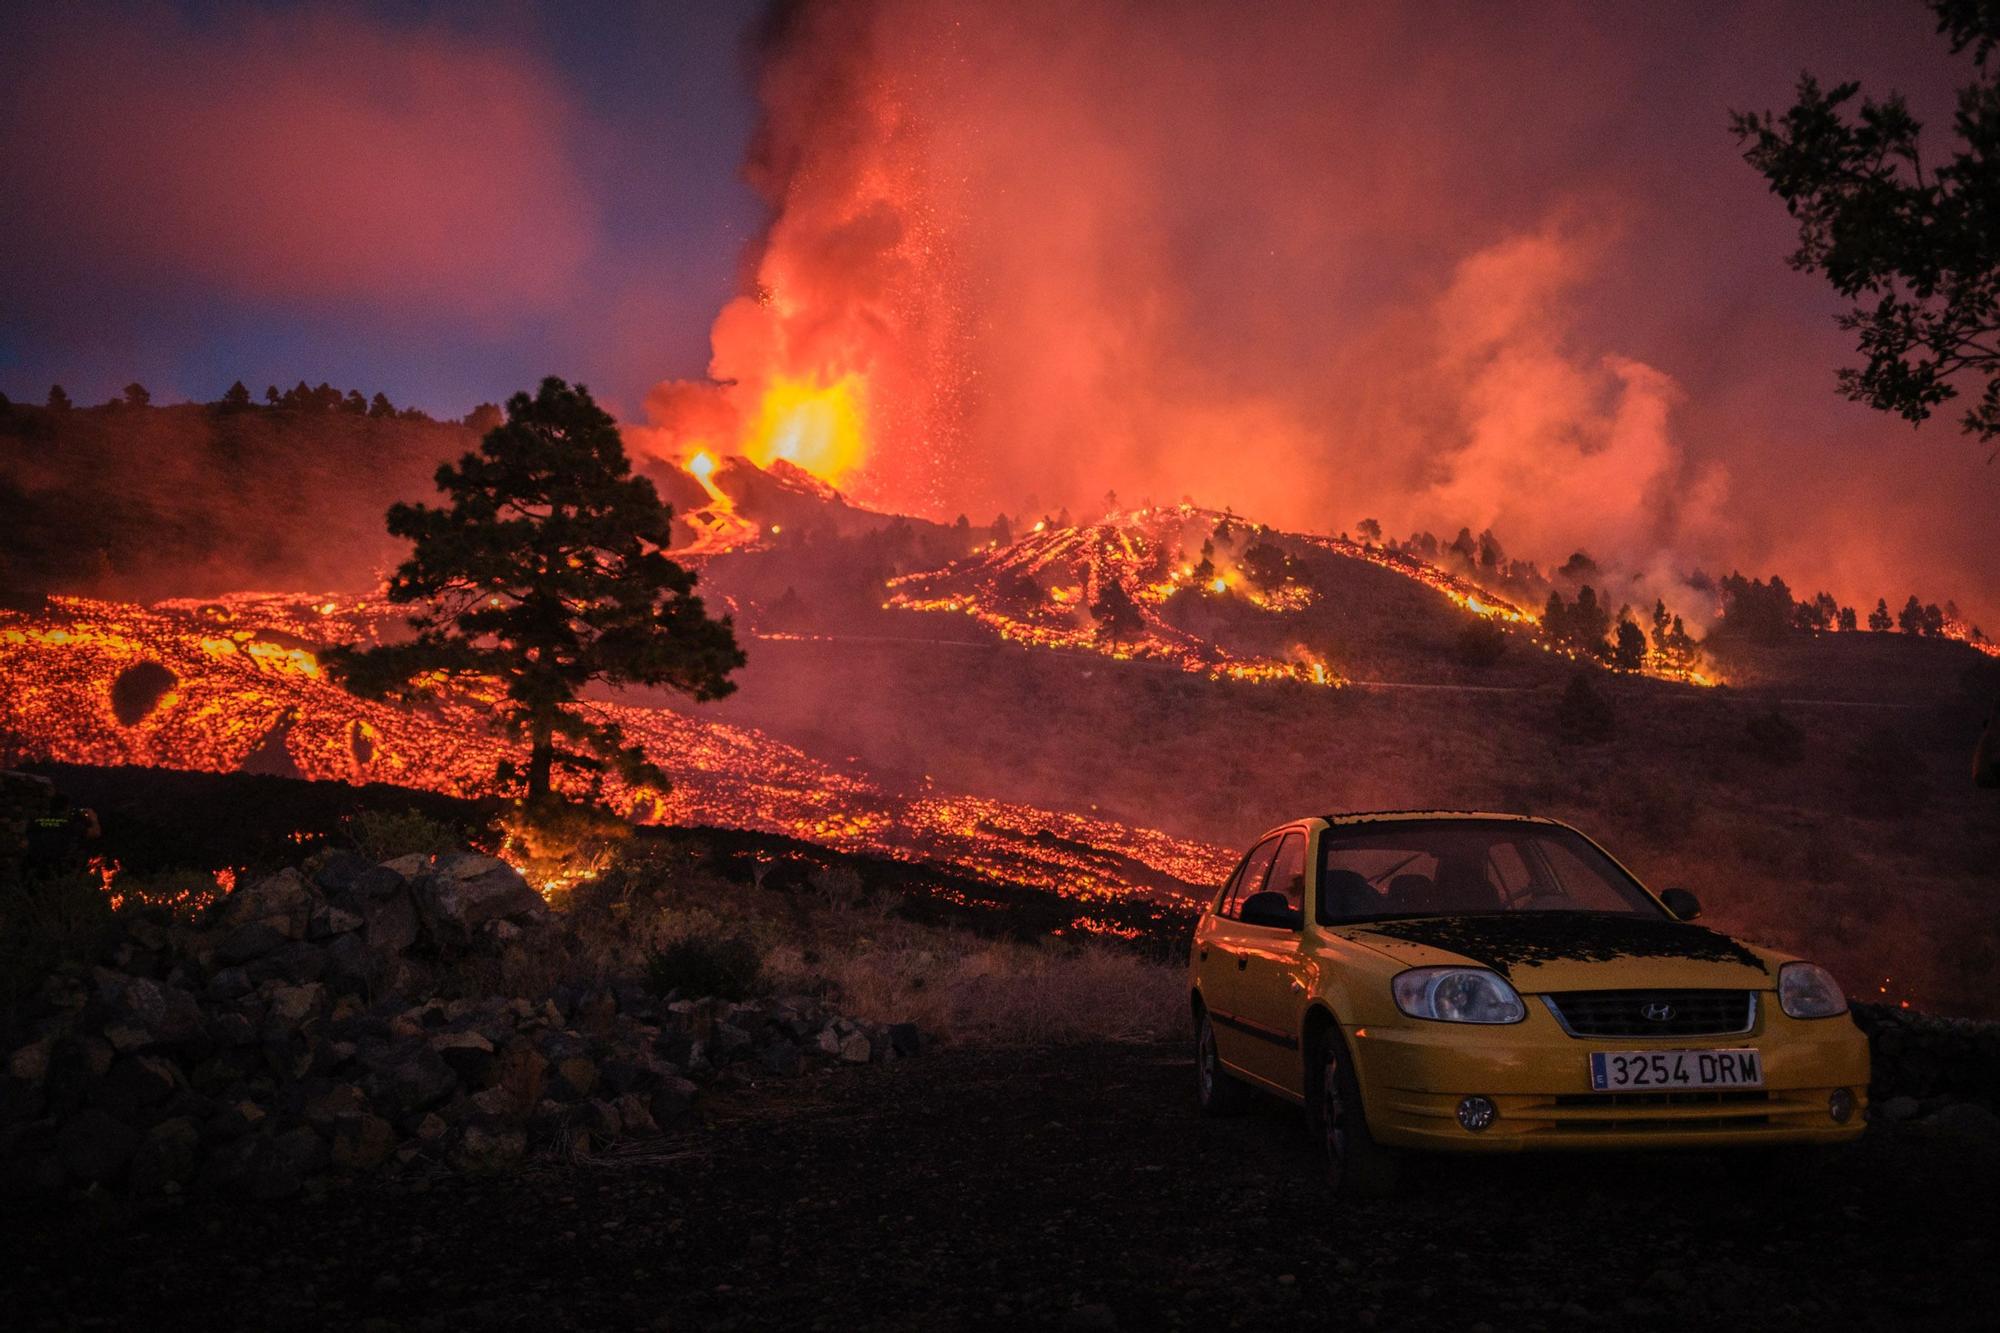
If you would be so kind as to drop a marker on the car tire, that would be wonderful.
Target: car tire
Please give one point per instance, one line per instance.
(1357, 1167)
(1219, 1093)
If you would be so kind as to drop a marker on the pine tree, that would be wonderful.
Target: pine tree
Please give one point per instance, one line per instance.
(1630, 652)
(1879, 619)
(136, 395)
(236, 397)
(59, 400)
(1117, 615)
(379, 406)
(548, 571)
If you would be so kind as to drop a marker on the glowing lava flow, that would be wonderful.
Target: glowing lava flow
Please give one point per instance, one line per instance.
(1048, 589)
(717, 526)
(245, 686)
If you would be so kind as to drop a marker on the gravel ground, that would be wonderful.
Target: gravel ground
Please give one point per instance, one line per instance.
(1071, 1188)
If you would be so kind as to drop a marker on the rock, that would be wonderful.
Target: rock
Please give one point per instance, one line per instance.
(431, 1128)
(635, 1116)
(463, 891)
(729, 1043)
(134, 1084)
(1898, 1108)
(234, 1121)
(596, 1124)
(486, 1145)
(164, 1015)
(233, 1030)
(522, 1071)
(339, 868)
(829, 1040)
(291, 1006)
(282, 902)
(854, 1049)
(328, 921)
(905, 1040)
(297, 962)
(326, 1110)
(470, 1056)
(30, 1063)
(672, 1101)
(362, 1141)
(389, 920)
(249, 941)
(165, 1159)
(414, 1079)
(1969, 1121)
(96, 1146)
(231, 983)
(573, 1077)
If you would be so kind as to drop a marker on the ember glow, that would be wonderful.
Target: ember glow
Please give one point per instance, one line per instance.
(247, 685)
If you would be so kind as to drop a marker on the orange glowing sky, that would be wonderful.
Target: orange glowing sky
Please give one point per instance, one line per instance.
(1437, 264)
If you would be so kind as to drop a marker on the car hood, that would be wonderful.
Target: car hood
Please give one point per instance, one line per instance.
(1556, 951)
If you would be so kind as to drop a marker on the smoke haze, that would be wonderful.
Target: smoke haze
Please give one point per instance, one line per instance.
(1437, 266)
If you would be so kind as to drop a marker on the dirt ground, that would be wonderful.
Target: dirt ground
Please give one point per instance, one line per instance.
(1067, 1187)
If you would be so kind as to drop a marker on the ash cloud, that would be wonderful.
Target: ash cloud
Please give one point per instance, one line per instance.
(1439, 266)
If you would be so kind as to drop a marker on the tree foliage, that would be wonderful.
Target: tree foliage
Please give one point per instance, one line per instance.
(548, 571)
(1915, 246)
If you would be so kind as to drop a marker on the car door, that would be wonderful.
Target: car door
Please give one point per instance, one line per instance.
(1272, 995)
(1220, 953)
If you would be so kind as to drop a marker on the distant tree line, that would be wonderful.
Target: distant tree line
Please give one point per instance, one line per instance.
(300, 398)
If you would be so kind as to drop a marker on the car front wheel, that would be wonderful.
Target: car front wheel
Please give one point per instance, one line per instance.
(1356, 1165)
(1219, 1092)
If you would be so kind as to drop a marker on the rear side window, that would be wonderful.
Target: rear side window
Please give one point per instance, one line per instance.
(1288, 871)
(1249, 879)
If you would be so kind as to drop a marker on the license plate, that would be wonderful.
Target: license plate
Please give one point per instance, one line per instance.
(1669, 1071)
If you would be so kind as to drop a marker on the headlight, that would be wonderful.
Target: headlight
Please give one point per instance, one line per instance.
(1457, 995)
(1807, 990)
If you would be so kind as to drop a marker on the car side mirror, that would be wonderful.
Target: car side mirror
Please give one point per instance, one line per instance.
(1684, 905)
(1270, 909)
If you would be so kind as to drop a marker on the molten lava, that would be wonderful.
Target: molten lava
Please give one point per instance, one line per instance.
(247, 690)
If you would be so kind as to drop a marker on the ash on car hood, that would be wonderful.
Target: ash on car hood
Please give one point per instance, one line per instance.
(1509, 940)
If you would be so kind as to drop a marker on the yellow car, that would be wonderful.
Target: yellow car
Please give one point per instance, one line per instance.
(1479, 983)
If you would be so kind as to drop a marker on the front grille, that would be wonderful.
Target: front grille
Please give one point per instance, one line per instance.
(1675, 1013)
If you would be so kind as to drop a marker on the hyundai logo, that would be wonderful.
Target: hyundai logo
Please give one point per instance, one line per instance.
(1659, 1011)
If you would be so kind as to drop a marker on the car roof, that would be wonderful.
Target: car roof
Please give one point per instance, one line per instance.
(1392, 816)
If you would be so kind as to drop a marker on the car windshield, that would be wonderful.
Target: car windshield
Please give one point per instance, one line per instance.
(1455, 867)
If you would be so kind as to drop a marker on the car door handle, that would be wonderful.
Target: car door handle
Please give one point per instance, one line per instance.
(1242, 961)
(1204, 953)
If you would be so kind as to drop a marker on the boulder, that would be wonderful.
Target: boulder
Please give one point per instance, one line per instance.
(247, 942)
(95, 1146)
(410, 1079)
(855, 1049)
(30, 1063)
(292, 1006)
(165, 1159)
(230, 983)
(463, 891)
(282, 901)
(339, 868)
(905, 1040)
(150, 1013)
(1968, 1121)
(297, 962)
(75, 1063)
(326, 1109)
(635, 1116)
